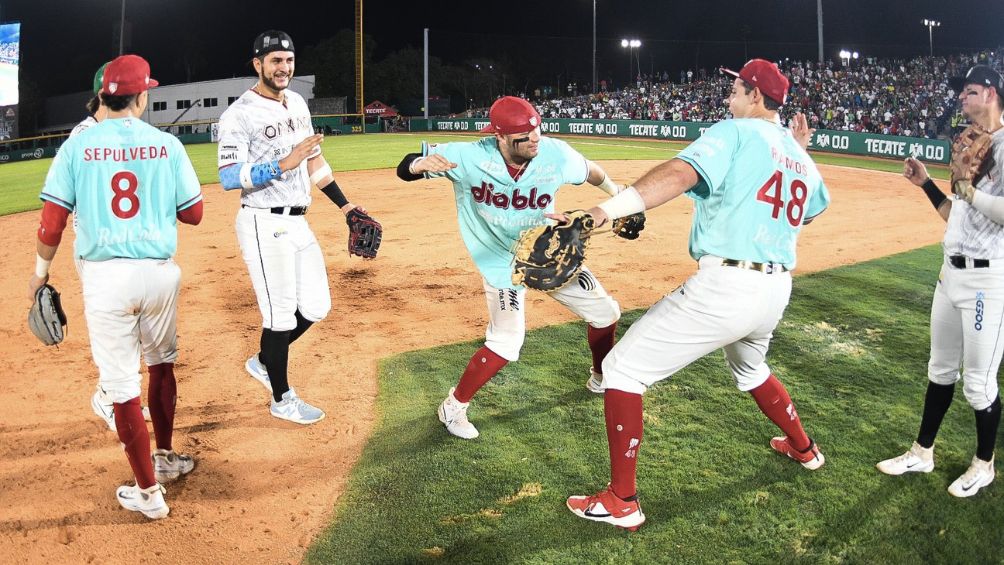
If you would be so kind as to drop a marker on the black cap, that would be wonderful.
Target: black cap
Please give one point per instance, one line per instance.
(981, 75)
(272, 40)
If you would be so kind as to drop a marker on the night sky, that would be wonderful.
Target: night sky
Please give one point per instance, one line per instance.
(64, 41)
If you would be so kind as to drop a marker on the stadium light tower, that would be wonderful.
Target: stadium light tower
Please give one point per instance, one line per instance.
(631, 45)
(931, 24)
(846, 56)
(595, 87)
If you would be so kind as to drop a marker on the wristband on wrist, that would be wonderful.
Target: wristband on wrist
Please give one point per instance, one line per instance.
(411, 166)
(627, 202)
(41, 267)
(608, 186)
(335, 194)
(933, 193)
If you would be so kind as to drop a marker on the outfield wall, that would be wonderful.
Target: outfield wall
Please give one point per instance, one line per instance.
(851, 143)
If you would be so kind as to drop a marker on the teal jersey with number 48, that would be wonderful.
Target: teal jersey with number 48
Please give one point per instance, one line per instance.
(757, 187)
(125, 181)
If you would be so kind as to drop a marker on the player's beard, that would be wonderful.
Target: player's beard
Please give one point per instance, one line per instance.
(270, 82)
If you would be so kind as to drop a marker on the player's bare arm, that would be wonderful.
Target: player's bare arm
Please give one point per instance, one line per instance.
(50, 233)
(321, 176)
(599, 178)
(915, 172)
(658, 186)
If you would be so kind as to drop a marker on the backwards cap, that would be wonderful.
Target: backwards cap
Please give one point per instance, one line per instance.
(510, 114)
(272, 40)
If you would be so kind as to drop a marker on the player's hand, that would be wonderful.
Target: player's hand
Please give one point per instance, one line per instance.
(915, 171)
(301, 151)
(432, 164)
(350, 206)
(34, 284)
(800, 129)
(599, 217)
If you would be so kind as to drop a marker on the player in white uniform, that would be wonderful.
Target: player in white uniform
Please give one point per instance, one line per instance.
(967, 311)
(754, 186)
(268, 150)
(96, 111)
(503, 185)
(129, 184)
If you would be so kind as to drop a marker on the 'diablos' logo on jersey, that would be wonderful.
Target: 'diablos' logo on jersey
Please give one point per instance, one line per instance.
(485, 194)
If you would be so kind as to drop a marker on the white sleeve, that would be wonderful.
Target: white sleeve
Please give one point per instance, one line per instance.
(235, 141)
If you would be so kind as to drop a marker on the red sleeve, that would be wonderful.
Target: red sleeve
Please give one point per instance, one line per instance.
(52, 224)
(191, 215)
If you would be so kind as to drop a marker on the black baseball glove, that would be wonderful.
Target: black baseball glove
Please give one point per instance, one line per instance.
(548, 257)
(46, 317)
(629, 227)
(365, 234)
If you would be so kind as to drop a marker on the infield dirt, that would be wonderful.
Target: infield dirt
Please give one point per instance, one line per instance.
(263, 488)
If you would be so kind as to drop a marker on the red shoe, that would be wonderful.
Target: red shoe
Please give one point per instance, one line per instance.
(607, 507)
(810, 458)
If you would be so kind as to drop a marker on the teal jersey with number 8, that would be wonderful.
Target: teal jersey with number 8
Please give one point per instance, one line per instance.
(757, 187)
(125, 181)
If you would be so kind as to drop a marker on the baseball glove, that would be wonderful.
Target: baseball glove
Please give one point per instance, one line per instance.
(548, 257)
(365, 234)
(46, 317)
(971, 159)
(629, 227)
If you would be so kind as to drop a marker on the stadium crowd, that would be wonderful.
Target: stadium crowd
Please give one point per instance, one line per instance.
(10, 52)
(887, 96)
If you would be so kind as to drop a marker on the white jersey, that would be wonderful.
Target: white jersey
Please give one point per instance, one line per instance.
(86, 123)
(256, 129)
(971, 233)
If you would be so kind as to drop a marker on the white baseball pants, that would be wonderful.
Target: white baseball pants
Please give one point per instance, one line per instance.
(585, 297)
(718, 307)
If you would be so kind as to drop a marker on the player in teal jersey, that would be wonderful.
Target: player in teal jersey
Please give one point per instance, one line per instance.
(505, 184)
(754, 187)
(128, 184)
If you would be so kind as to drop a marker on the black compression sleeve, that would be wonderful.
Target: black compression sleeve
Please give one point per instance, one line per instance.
(934, 193)
(335, 194)
(402, 169)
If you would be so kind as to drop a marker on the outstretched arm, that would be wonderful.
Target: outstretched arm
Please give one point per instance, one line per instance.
(321, 175)
(658, 186)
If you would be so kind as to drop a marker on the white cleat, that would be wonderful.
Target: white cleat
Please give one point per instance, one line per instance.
(917, 460)
(258, 371)
(453, 414)
(149, 501)
(168, 465)
(979, 475)
(595, 382)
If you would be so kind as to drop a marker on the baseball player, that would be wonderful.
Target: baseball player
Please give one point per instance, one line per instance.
(268, 150)
(753, 186)
(129, 184)
(101, 403)
(968, 306)
(96, 111)
(504, 184)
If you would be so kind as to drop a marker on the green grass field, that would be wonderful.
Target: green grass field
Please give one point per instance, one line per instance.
(22, 181)
(852, 350)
